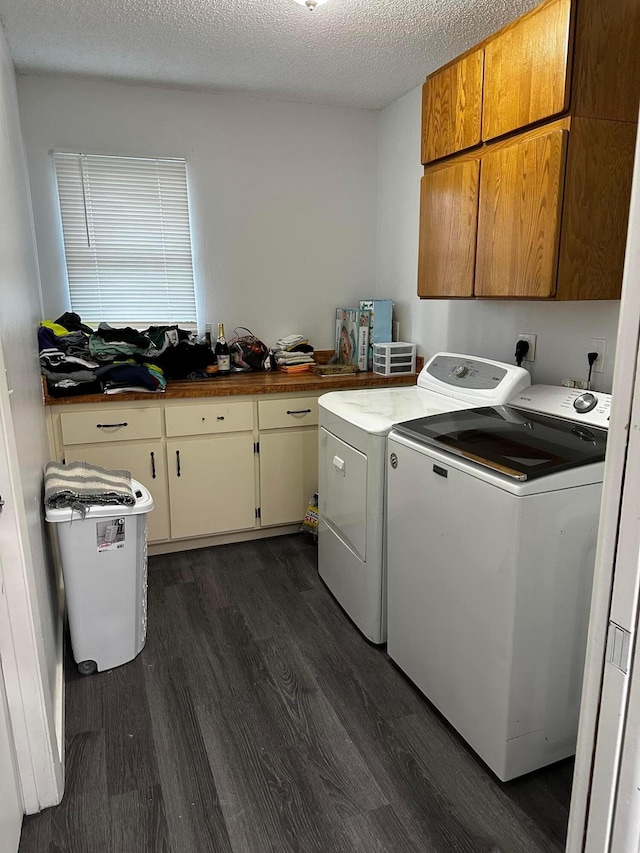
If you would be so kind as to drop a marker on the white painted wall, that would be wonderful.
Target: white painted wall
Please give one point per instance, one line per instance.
(289, 219)
(33, 605)
(282, 195)
(482, 327)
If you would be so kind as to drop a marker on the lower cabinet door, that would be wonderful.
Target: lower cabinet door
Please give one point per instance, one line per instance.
(145, 460)
(211, 485)
(288, 474)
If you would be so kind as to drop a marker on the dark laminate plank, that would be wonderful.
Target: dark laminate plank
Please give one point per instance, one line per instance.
(138, 822)
(381, 830)
(130, 750)
(394, 696)
(303, 719)
(84, 698)
(86, 765)
(216, 647)
(478, 798)
(544, 798)
(272, 725)
(194, 818)
(269, 798)
(328, 651)
(81, 824)
(36, 832)
(173, 568)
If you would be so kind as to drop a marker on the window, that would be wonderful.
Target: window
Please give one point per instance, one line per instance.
(127, 241)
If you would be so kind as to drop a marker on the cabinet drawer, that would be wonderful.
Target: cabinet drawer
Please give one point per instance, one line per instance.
(209, 418)
(110, 424)
(277, 414)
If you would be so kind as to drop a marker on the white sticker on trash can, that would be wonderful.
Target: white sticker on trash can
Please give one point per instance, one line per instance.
(110, 534)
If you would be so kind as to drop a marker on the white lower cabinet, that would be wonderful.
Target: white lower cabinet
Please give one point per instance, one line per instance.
(288, 474)
(146, 461)
(198, 458)
(211, 484)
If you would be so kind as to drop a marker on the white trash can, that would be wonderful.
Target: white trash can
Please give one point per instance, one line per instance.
(104, 563)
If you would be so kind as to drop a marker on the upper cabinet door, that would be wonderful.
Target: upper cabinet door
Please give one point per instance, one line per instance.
(448, 223)
(526, 72)
(521, 187)
(452, 108)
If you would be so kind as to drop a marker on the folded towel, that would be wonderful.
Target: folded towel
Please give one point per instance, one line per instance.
(79, 485)
(294, 368)
(289, 341)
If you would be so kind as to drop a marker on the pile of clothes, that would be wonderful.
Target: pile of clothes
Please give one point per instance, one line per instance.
(293, 354)
(79, 360)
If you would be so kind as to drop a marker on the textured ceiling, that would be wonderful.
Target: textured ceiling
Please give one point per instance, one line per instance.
(361, 53)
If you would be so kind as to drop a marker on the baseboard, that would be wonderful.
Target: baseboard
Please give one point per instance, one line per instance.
(222, 539)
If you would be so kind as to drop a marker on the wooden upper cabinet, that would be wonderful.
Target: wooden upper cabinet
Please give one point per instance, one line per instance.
(550, 177)
(606, 65)
(527, 70)
(595, 209)
(448, 224)
(520, 210)
(452, 108)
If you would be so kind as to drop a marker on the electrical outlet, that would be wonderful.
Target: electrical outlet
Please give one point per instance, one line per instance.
(599, 346)
(531, 339)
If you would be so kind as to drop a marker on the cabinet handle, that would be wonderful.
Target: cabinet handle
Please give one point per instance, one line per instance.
(153, 465)
(220, 418)
(298, 411)
(178, 461)
(110, 426)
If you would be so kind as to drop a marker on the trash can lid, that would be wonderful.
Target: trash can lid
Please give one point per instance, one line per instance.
(144, 503)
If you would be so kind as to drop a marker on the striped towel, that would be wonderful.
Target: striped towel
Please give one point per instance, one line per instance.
(79, 485)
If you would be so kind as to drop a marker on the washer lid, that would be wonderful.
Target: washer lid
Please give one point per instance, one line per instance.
(518, 444)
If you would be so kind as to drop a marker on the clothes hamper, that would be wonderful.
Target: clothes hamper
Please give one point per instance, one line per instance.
(104, 564)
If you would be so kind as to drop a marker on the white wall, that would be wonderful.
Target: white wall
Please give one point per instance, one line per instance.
(282, 194)
(482, 327)
(24, 424)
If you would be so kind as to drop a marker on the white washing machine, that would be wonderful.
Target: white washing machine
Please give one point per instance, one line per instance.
(352, 449)
(492, 527)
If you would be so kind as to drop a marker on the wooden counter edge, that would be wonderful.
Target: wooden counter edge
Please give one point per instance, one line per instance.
(245, 384)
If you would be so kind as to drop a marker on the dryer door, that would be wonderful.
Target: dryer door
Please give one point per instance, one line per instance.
(343, 491)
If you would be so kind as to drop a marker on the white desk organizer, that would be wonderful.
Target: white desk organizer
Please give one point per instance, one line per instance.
(394, 358)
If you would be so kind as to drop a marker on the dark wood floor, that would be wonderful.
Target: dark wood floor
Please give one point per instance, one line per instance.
(258, 719)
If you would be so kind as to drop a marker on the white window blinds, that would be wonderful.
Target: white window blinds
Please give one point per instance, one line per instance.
(127, 240)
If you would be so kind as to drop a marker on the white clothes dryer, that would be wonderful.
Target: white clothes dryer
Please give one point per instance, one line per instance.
(352, 450)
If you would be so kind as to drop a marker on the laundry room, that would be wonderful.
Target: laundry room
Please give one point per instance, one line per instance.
(317, 156)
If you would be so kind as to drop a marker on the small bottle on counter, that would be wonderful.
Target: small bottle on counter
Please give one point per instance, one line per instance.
(207, 336)
(222, 352)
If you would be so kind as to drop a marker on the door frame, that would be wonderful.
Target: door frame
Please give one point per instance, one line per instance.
(604, 802)
(36, 724)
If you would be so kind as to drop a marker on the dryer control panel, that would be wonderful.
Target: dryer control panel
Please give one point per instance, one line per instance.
(472, 379)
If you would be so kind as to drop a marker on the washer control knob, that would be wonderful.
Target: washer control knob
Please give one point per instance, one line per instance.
(460, 371)
(585, 402)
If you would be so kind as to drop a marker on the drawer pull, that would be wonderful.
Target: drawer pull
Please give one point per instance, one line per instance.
(153, 465)
(298, 411)
(178, 462)
(219, 418)
(111, 426)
